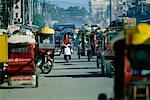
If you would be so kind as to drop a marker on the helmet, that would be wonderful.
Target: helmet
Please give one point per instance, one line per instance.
(143, 34)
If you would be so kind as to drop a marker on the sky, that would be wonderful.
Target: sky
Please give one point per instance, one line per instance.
(67, 3)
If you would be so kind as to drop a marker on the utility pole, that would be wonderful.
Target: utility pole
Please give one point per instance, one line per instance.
(23, 12)
(30, 11)
(43, 12)
(142, 4)
(124, 8)
(110, 10)
(110, 14)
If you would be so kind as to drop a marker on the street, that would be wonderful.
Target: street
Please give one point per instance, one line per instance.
(76, 80)
(34, 33)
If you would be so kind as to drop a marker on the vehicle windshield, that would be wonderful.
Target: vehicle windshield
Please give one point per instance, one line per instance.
(46, 39)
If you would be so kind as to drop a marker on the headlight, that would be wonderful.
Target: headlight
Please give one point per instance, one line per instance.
(39, 63)
(49, 52)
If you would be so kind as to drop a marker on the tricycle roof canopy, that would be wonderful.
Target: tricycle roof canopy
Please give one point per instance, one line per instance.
(21, 39)
(2, 31)
(46, 30)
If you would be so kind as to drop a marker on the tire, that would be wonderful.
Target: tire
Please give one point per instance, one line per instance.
(47, 67)
(37, 82)
(67, 59)
(98, 61)
(1, 75)
(103, 70)
(108, 69)
(98, 65)
(89, 56)
(9, 81)
(79, 56)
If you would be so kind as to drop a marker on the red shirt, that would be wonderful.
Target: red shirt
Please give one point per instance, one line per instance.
(66, 41)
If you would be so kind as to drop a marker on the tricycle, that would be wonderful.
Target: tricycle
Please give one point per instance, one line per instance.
(132, 71)
(45, 48)
(109, 54)
(86, 42)
(21, 69)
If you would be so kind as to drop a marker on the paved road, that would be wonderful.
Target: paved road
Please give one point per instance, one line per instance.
(77, 80)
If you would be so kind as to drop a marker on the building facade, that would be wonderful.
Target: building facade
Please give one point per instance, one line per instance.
(106, 10)
(97, 5)
(22, 12)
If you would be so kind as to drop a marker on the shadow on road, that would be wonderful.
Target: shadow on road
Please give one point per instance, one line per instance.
(68, 64)
(12, 87)
(74, 61)
(82, 61)
(87, 75)
(75, 68)
(59, 62)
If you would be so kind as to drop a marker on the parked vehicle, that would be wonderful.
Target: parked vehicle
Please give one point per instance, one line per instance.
(86, 42)
(4, 54)
(109, 54)
(132, 71)
(102, 62)
(45, 49)
(21, 66)
(137, 73)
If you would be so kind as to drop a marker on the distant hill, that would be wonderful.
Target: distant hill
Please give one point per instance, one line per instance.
(67, 3)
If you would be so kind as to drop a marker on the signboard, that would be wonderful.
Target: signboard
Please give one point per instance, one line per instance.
(130, 23)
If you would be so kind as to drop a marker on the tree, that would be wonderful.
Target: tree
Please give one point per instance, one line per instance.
(5, 13)
(38, 20)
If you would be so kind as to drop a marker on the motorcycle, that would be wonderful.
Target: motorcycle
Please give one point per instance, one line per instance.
(45, 63)
(67, 52)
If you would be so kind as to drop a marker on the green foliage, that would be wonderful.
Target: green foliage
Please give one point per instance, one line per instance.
(38, 20)
(5, 16)
(77, 11)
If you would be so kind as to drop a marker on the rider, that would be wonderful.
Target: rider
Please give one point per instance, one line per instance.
(65, 42)
(100, 47)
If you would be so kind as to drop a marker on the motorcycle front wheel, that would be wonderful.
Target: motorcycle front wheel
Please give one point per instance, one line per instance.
(47, 67)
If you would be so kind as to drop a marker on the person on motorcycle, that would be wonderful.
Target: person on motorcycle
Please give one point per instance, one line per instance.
(65, 42)
(66, 39)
